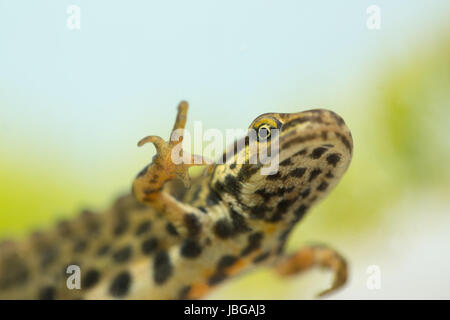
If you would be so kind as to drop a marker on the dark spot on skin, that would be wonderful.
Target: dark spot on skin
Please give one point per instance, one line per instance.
(260, 258)
(149, 245)
(226, 261)
(258, 211)
(123, 254)
(193, 224)
(333, 159)
(190, 248)
(300, 212)
(239, 222)
(64, 228)
(318, 152)
(284, 235)
(184, 292)
(344, 141)
(324, 135)
(93, 227)
(49, 256)
(162, 267)
(265, 195)
(232, 185)
(314, 174)
(103, 250)
(338, 119)
(254, 242)
(273, 177)
(286, 162)
(305, 193)
(219, 187)
(90, 279)
(121, 284)
(322, 186)
(213, 198)
(171, 229)
(120, 227)
(202, 209)
(80, 246)
(300, 153)
(143, 227)
(47, 293)
(223, 228)
(329, 174)
(281, 191)
(90, 221)
(247, 171)
(281, 209)
(217, 278)
(297, 172)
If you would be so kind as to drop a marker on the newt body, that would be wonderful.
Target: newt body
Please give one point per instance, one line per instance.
(168, 241)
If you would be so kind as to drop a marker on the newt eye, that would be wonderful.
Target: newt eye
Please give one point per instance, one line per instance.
(264, 132)
(265, 128)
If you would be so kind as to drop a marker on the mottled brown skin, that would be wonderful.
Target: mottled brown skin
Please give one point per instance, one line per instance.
(169, 241)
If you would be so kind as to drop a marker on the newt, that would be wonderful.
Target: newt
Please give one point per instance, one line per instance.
(173, 240)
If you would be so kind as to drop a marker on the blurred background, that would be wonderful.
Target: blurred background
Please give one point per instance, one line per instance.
(74, 103)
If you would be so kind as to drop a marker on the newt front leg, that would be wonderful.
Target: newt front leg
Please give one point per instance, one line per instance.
(148, 185)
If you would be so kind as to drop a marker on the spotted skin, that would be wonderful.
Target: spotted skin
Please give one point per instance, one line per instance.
(173, 240)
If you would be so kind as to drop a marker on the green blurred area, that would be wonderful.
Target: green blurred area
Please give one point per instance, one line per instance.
(400, 123)
(401, 145)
